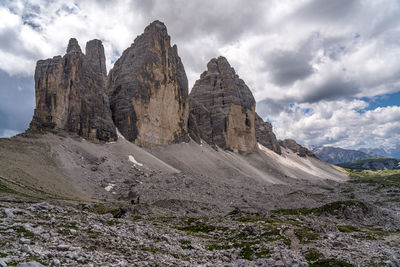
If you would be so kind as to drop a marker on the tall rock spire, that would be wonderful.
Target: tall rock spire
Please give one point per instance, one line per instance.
(71, 96)
(95, 53)
(222, 108)
(148, 90)
(73, 46)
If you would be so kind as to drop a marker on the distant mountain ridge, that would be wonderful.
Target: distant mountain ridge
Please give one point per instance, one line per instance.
(393, 152)
(337, 155)
(373, 164)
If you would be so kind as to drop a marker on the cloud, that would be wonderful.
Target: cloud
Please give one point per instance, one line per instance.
(327, 10)
(340, 123)
(286, 67)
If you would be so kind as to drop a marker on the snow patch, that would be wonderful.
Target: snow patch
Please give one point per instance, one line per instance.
(109, 187)
(120, 135)
(132, 159)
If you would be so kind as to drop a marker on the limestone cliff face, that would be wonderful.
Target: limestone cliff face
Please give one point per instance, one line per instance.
(222, 109)
(265, 136)
(148, 90)
(296, 148)
(70, 93)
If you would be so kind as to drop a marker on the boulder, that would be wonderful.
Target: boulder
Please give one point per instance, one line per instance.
(71, 95)
(222, 109)
(148, 90)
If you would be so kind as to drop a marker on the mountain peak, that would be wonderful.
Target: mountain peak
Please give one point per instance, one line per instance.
(156, 27)
(73, 46)
(223, 108)
(149, 90)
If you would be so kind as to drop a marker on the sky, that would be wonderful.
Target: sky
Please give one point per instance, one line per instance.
(322, 72)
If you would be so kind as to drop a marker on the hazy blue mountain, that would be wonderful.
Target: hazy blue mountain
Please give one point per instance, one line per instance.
(393, 152)
(337, 155)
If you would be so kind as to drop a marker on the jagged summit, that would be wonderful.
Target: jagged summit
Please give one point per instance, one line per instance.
(148, 90)
(222, 108)
(73, 46)
(157, 26)
(265, 136)
(95, 52)
(70, 93)
(296, 148)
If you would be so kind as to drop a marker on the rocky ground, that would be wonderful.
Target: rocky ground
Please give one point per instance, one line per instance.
(68, 202)
(360, 230)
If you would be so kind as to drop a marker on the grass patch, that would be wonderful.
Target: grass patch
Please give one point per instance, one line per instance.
(186, 244)
(334, 208)
(331, 263)
(372, 164)
(198, 228)
(150, 248)
(218, 246)
(263, 253)
(380, 177)
(312, 255)
(199, 225)
(305, 236)
(7, 190)
(37, 259)
(101, 208)
(248, 251)
(348, 228)
(22, 231)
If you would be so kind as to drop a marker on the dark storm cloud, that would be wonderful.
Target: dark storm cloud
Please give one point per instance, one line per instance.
(270, 107)
(286, 67)
(335, 87)
(9, 43)
(16, 102)
(328, 10)
(226, 20)
(144, 6)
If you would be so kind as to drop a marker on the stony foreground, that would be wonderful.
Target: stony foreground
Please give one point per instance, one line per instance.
(64, 234)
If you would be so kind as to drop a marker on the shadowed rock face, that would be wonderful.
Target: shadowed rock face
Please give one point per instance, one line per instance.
(296, 148)
(222, 109)
(265, 136)
(148, 90)
(70, 93)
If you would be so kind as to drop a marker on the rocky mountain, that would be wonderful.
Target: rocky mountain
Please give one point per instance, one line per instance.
(390, 152)
(265, 136)
(222, 108)
(372, 164)
(336, 155)
(296, 148)
(148, 90)
(71, 95)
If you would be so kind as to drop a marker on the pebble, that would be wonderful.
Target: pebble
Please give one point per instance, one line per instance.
(63, 247)
(30, 264)
(24, 240)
